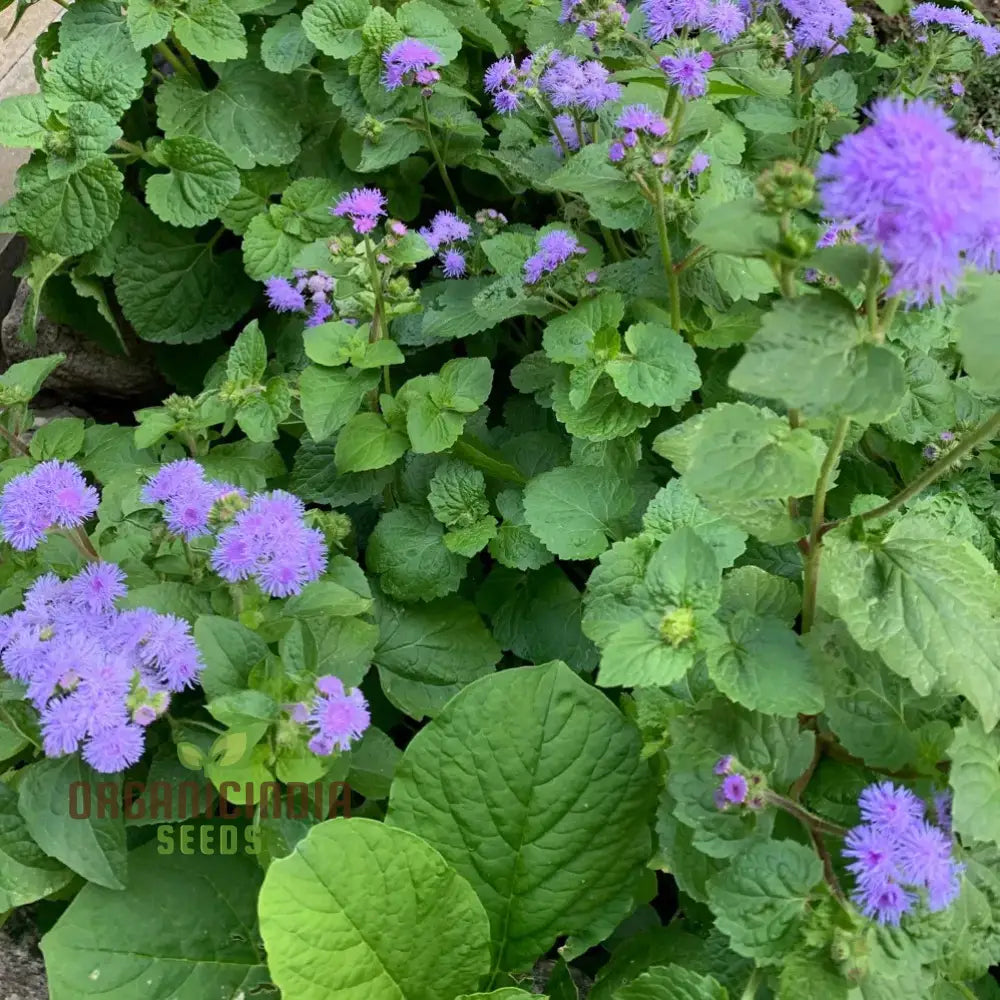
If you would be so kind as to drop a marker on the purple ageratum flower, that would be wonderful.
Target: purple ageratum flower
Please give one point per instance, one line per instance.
(700, 162)
(53, 494)
(890, 807)
(554, 248)
(886, 902)
(924, 859)
(410, 61)
(727, 20)
(570, 83)
(336, 717)
(734, 789)
(83, 661)
(445, 228)
(282, 296)
(505, 82)
(819, 23)
(453, 264)
(321, 312)
(271, 542)
(957, 88)
(927, 199)
(724, 765)
(616, 153)
(187, 496)
(364, 207)
(566, 130)
(688, 71)
(959, 21)
(872, 853)
(639, 118)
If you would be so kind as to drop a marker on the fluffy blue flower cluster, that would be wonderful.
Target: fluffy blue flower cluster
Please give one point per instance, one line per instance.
(97, 675)
(725, 18)
(447, 229)
(310, 293)
(819, 23)
(52, 495)
(896, 852)
(959, 21)
(267, 539)
(554, 249)
(335, 715)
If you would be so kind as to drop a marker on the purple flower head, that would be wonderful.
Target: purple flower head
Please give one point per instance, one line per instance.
(959, 21)
(554, 248)
(688, 71)
(925, 860)
(734, 788)
(592, 277)
(410, 58)
(872, 853)
(724, 765)
(569, 83)
(819, 23)
(700, 162)
(112, 750)
(639, 118)
(53, 494)
(337, 718)
(957, 88)
(364, 207)
(727, 20)
(616, 153)
(890, 807)
(271, 542)
(886, 902)
(445, 228)
(505, 82)
(98, 586)
(187, 497)
(321, 312)
(282, 295)
(927, 199)
(453, 264)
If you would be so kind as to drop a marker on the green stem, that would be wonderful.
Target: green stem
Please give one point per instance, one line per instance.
(753, 984)
(804, 816)
(888, 316)
(475, 454)
(376, 330)
(187, 59)
(436, 153)
(179, 68)
(987, 430)
(673, 281)
(79, 538)
(872, 290)
(14, 441)
(811, 581)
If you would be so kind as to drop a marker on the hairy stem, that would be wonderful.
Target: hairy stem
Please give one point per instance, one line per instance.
(816, 524)
(436, 153)
(673, 281)
(378, 316)
(808, 819)
(987, 430)
(871, 298)
(178, 67)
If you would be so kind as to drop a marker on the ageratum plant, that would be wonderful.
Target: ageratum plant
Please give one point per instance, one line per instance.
(588, 456)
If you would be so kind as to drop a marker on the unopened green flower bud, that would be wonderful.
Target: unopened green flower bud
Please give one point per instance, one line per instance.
(787, 186)
(677, 626)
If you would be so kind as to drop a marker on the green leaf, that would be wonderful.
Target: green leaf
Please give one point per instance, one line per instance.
(60, 438)
(284, 47)
(457, 494)
(27, 873)
(740, 227)
(330, 397)
(91, 130)
(201, 181)
(89, 71)
(368, 442)
(603, 415)
(94, 846)
(811, 354)
(975, 782)
(332, 344)
(246, 114)
(740, 452)
(21, 381)
(675, 506)
(211, 30)
(374, 759)
(256, 188)
(197, 941)
(976, 319)
(175, 290)
(149, 22)
(761, 899)
(72, 214)
(672, 983)
(760, 664)
(418, 19)
(930, 606)
(370, 888)
(427, 653)
(514, 545)
(536, 740)
(23, 121)
(573, 510)
(661, 369)
(569, 338)
(247, 358)
(230, 651)
(334, 26)
(407, 549)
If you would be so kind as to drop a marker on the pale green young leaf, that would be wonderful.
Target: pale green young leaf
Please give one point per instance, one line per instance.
(330, 397)
(23, 120)
(369, 887)
(603, 416)
(60, 438)
(975, 782)
(368, 442)
(211, 30)
(284, 47)
(661, 369)
(246, 114)
(762, 898)
(247, 358)
(811, 354)
(638, 655)
(554, 871)
(201, 180)
(569, 337)
(407, 550)
(334, 26)
(739, 452)
(21, 381)
(457, 494)
(333, 343)
(750, 588)
(573, 510)
(976, 319)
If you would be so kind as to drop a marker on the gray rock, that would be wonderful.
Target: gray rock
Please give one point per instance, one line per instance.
(88, 371)
(22, 971)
